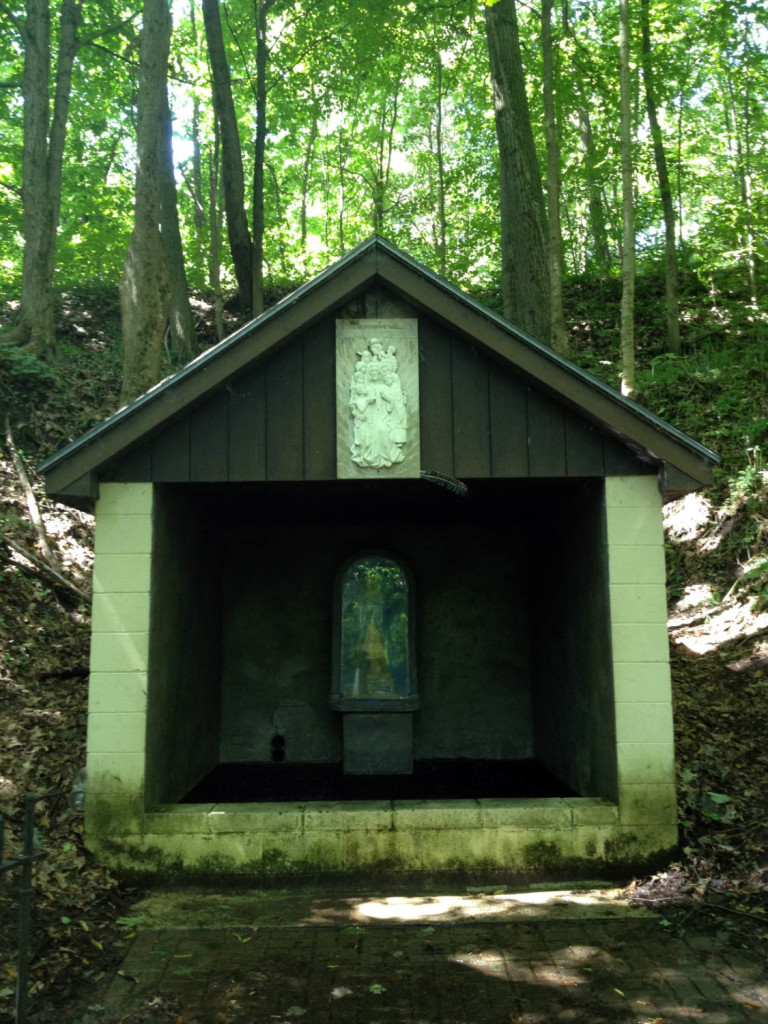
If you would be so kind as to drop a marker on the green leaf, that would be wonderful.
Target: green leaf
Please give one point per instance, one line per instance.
(719, 798)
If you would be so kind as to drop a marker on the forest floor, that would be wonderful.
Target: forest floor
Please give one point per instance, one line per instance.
(717, 546)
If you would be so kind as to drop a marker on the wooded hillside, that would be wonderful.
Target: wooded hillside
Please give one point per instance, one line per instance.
(294, 129)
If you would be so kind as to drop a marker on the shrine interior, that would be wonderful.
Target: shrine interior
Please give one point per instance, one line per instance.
(511, 637)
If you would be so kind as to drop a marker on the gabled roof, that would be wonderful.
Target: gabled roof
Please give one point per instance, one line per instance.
(378, 262)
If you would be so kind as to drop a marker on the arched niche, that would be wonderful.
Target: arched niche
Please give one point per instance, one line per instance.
(374, 665)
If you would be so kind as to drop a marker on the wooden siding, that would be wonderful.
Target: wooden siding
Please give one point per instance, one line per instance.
(277, 421)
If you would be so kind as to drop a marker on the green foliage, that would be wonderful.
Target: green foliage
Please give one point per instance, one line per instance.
(20, 363)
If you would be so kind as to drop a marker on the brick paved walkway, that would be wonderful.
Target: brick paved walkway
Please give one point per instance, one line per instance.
(539, 970)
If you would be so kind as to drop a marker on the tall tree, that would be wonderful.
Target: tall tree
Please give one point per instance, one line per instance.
(43, 153)
(665, 190)
(145, 292)
(559, 338)
(260, 13)
(182, 326)
(232, 176)
(524, 267)
(627, 206)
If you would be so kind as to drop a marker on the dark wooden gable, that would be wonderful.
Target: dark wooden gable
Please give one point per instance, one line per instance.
(261, 404)
(276, 421)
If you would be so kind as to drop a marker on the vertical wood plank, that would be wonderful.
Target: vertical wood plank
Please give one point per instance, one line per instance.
(583, 447)
(170, 453)
(471, 412)
(320, 401)
(247, 449)
(620, 461)
(509, 423)
(134, 467)
(285, 414)
(546, 435)
(435, 399)
(208, 440)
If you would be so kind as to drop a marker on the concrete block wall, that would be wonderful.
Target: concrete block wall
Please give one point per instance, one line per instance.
(117, 703)
(511, 835)
(643, 698)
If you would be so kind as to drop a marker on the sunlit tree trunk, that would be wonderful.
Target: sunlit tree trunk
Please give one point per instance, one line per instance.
(305, 174)
(743, 179)
(379, 169)
(144, 286)
(197, 158)
(665, 190)
(183, 337)
(559, 340)
(42, 159)
(214, 221)
(441, 223)
(627, 206)
(524, 268)
(232, 178)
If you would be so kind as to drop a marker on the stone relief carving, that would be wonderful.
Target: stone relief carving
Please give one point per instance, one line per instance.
(379, 408)
(377, 398)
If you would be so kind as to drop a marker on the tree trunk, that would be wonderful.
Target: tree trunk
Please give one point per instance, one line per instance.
(260, 11)
(197, 159)
(627, 206)
(746, 237)
(524, 269)
(599, 259)
(183, 337)
(665, 191)
(42, 158)
(559, 339)
(214, 254)
(144, 286)
(441, 224)
(313, 130)
(232, 178)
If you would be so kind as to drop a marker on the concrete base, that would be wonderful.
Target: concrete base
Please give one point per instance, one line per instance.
(380, 744)
(525, 838)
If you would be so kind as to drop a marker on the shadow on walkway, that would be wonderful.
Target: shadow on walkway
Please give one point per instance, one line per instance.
(539, 959)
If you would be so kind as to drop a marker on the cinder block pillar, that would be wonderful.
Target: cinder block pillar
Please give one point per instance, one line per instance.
(637, 577)
(117, 702)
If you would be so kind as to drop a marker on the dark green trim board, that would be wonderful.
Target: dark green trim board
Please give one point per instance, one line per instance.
(486, 382)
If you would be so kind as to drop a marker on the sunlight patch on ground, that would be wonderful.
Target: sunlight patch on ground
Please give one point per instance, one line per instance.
(405, 909)
(725, 622)
(686, 518)
(696, 596)
(258, 909)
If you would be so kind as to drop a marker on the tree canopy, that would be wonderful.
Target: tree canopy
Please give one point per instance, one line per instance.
(378, 115)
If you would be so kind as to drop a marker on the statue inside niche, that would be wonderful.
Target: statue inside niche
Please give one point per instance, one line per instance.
(374, 638)
(375, 680)
(378, 405)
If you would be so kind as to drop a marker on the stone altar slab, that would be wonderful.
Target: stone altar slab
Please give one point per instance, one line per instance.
(377, 398)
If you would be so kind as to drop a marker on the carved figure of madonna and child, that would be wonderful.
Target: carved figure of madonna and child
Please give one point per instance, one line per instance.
(379, 408)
